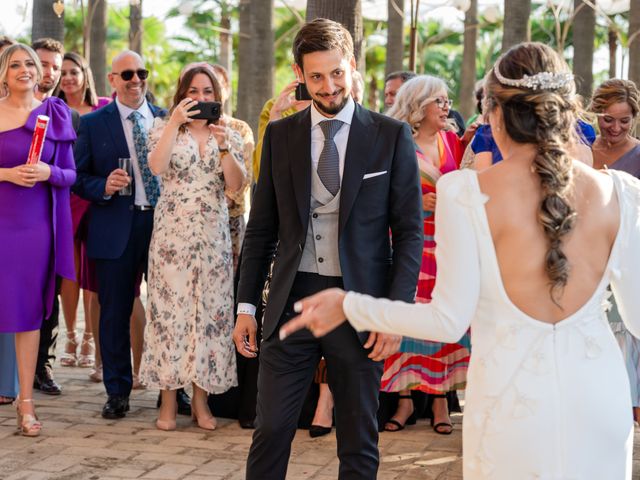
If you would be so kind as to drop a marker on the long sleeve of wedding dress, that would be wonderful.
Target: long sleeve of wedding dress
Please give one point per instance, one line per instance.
(457, 289)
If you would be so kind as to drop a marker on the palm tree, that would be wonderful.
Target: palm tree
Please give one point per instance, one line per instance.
(516, 21)
(468, 73)
(634, 41)
(395, 36)
(584, 30)
(349, 14)
(45, 21)
(135, 25)
(256, 59)
(98, 43)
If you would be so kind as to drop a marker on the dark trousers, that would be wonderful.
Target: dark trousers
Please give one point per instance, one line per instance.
(286, 371)
(116, 286)
(49, 335)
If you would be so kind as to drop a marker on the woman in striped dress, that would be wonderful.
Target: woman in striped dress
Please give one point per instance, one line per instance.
(432, 367)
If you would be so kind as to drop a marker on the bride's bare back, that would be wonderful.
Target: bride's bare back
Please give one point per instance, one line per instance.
(521, 246)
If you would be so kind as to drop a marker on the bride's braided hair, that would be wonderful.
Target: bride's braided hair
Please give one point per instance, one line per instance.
(543, 115)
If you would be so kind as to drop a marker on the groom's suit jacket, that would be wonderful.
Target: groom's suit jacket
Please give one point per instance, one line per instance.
(380, 194)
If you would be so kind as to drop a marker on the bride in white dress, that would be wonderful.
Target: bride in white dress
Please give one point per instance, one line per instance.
(526, 250)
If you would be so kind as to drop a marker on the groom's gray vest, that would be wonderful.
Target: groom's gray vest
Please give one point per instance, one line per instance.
(320, 253)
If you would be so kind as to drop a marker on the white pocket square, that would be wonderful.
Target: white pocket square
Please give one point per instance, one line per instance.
(373, 174)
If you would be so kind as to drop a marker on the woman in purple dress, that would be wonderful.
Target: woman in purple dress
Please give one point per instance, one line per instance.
(35, 219)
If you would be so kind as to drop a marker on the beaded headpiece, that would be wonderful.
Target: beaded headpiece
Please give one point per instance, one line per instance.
(541, 80)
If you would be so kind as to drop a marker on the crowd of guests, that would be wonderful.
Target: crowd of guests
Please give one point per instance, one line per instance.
(127, 191)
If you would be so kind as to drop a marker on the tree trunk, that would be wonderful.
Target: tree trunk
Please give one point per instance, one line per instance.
(395, 36)
(225, 49)
(374, 95)
(45, 22)
(98, 43)
(135, 26)
(349, 14)
(516, 20)
(613, 49)
(468, 71)
(634, 41)
(584, 31)
(256, 59)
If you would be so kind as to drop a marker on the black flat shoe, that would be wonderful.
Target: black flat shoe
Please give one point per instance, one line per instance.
(318, 431)
(116, 407)
(45, 383)
(246, 424)
(184, 402)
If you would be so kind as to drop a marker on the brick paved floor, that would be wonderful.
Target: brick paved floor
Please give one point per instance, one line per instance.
(78, 444)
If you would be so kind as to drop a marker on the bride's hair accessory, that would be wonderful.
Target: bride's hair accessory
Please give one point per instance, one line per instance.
(541, 80)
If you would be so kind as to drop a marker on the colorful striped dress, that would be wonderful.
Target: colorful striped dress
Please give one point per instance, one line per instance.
(431, 367)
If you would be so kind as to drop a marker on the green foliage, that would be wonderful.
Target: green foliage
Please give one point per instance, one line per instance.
(439, 47)
(158, 53)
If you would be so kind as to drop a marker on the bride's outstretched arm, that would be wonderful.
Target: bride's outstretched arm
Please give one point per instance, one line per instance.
(455, 296)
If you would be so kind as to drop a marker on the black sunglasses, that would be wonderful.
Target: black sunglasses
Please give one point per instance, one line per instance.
(127, 75)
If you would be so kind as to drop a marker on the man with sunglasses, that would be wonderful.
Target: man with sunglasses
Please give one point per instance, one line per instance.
(120, 223)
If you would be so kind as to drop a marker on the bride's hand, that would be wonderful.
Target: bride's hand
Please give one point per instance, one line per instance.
(319, 313)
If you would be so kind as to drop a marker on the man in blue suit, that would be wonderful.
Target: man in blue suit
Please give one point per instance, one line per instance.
(120, 224)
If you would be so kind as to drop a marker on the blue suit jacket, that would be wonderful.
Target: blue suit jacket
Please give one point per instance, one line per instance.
(100, 143)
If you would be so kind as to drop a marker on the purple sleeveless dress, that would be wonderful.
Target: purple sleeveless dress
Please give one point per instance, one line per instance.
(35, 223)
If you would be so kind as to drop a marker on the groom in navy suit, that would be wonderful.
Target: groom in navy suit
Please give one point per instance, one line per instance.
(120, 225)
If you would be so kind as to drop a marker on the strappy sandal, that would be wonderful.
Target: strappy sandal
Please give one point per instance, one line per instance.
(28, 424)
(438, 427)
(6, 400)
(96, 374)
(400, 426)
(69, 358)
(87, 357)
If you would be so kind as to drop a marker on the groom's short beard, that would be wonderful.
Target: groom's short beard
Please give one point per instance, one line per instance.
(332, 110)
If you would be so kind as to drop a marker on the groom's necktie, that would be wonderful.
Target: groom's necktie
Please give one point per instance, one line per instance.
(329, 162)
(150, 182)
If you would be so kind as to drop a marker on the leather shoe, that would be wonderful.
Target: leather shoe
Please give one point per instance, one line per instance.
(44, 382)
(184, 402)
(318, 431)
(246, 424)
(116, 407)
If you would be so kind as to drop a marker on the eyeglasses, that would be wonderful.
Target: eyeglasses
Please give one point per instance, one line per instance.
(127, 75)
(441, 102)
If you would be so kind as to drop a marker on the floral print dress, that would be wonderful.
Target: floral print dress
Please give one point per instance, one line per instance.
(188, 336)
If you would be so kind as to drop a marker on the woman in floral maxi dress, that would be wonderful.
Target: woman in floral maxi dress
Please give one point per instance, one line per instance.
(190, 296)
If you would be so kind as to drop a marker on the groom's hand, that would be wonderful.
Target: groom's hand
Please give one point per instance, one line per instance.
(244, 335)
(384, 345)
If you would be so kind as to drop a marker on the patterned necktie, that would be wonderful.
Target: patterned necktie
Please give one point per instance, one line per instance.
(329, 162)
(151, 185)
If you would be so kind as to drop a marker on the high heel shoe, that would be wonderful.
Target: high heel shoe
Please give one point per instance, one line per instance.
(87, 357)
(28, 424)
(206, 423)
(166, 425)
(69, 358)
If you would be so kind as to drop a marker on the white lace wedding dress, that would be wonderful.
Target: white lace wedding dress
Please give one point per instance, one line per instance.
(543, 401)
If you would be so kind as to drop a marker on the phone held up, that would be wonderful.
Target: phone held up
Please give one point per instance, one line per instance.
(302, 93)
(208, 111)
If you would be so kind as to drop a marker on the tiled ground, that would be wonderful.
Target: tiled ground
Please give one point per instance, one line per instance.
(77, 443)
